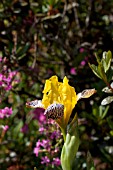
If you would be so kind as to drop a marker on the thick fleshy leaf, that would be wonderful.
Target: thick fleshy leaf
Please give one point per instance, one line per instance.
(107, 100)
(71, 146)
(110, 122)
(95, 70)
(102, 72)
(106, 60)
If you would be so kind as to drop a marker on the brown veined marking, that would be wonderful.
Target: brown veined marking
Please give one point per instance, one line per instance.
(35, 104)
(85, 93)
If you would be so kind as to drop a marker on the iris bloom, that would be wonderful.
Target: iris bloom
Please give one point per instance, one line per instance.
(59, 99)
(60, 93)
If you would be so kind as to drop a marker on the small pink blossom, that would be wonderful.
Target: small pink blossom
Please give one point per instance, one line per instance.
(45, 144)
(36, 151)
(81, 50)
(6, 112)
(39, 115)
(73, 71)
(45, 160)
(56, 161)
(83, 63)
(0, 59)
(24, 129)
(5, 128)
(12, 74)
(41, 129)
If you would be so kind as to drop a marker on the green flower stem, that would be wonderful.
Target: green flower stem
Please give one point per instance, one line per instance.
(64, 133)
(71, 145)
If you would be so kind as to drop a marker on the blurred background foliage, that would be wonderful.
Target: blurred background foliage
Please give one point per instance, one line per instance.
(55, 37)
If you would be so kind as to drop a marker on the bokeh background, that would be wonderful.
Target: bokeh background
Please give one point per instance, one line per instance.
(39, 39)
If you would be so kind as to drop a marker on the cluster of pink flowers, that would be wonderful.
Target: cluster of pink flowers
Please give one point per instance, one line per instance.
(6, 75)
(51, 132)
(49, 159)
(6, 112)
(7, 79)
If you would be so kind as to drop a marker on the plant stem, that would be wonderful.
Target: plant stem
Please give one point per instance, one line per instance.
(64, 133)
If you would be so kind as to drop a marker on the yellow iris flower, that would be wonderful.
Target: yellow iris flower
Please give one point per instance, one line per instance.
(61, 93)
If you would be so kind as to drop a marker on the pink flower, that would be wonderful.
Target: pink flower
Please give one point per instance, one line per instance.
(12, 74)
(41, 129)
(37, 148)
(83, 63)
(25, 129)
(0, 58)
(5, 128)
(55, 134)
(36, 151)
(1, 77)
(45, 144)
(73, 71)
(7, 88)
(6, 112)
(39, 115)
(45, 160)
(56, 161)
(81, 50)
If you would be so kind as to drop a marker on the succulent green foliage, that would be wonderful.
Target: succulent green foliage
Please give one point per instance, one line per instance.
(100, 112)
(106, 60)
(107, 100)
(103, 65)
(90, 163)
(110, 122)
(71, 145)
(95, 70)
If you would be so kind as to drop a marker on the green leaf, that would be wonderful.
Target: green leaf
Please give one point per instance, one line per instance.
(103, 111)
(70, 146)
(90, 163)
(106, 60)
(101, 72)
(95, 70)
(100, 112)
(110, 122)
(107, 100)
(22, 50)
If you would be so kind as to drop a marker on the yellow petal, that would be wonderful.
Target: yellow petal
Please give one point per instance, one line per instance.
(63, 93)
(69, 99)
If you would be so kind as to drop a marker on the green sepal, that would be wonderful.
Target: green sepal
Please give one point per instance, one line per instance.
(90, 163)
(70, 146)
